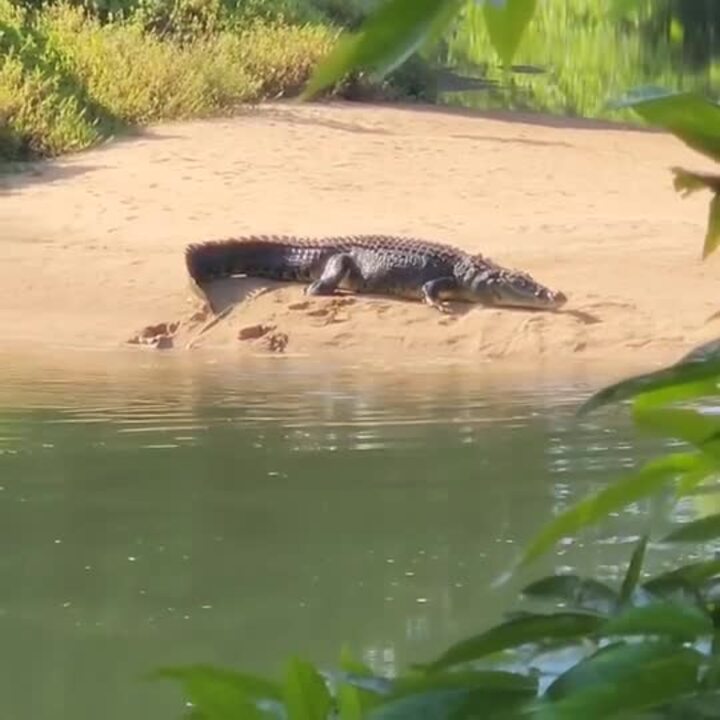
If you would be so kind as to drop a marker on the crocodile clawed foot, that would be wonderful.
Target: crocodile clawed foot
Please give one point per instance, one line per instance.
(439, 306)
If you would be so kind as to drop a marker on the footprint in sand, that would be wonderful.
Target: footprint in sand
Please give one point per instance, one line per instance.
(271, 340)
(254, 332)
(330, 310)
(159, 336)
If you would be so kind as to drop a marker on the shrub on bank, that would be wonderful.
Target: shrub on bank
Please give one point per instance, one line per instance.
(67, 80)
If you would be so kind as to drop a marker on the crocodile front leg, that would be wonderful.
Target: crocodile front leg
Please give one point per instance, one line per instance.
(337, 269)
(432, 290)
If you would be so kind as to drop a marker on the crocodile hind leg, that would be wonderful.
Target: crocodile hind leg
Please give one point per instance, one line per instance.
(338, 268)
(433, 290)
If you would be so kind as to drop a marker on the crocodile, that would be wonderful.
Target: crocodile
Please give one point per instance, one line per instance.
(403, 267)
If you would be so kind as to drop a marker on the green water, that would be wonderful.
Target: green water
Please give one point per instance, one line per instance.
(154, 514)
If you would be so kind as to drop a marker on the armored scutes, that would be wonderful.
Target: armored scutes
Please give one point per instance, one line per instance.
(372, 264)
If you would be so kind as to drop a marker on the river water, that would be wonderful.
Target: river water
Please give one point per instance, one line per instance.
(165, 511)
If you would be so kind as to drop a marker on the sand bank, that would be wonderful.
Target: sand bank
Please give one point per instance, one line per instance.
(92, 249)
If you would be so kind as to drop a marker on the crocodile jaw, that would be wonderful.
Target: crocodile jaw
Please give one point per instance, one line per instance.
(509, 288)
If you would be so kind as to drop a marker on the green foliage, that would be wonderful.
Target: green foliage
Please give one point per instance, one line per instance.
(632, 576)
(397, 28)
(42, 109)
(223, 694)
(689, 116)
(516, 632)
(696, 121)
(68, 80)
(622, 681)
(653, 477)
(387, 38)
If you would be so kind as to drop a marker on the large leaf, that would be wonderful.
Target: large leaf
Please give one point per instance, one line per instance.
(220, 694)
(702, 530)
(350, 703)
(529, 628)
(359, 689)
(681, 422)
(697, 428)
(696, 121)
(687, 182)
(646, 481)
(506, 22)
(698, 706)
(712, 233)
(634, 570)
(456, 696)
(387, 38)
(354, 695)
(432, 705)
(586, 593)
(488, 680)
(695, 375)
(692, 483)
(306, 694)
(622, 679)
(680, 622)
(692, 574)
(687, 115)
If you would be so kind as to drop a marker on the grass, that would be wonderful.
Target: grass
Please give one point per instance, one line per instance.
(68, 80)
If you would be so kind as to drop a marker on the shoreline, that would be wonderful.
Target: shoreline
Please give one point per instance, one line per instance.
(585, 207)
(76, 378)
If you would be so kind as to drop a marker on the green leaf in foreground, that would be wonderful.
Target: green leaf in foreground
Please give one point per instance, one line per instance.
(306, 695)
(620, 680)
(586, 593)
(433, 705)
(688, 424)
(680, 622)
(632, 575)
(489, 680)
(695, 375)
(519, 631)
(689, 116)
(702, 530)
(359, 689)
(506, 22)
(712, 234)
(387, 38)
(350, 704)
(222, 694)
(488, 695)
(692, 574)
(646, 481)
(687, 182)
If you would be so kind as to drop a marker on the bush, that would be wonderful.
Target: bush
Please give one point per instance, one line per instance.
(41, 109)
(137, 77)
(67, 80)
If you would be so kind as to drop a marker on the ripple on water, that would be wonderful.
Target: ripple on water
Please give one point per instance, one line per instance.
(316, 412)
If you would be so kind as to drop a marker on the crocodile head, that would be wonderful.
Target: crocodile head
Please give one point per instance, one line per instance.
(512, 288)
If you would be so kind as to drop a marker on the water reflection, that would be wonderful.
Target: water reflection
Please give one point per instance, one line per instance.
(162, 513)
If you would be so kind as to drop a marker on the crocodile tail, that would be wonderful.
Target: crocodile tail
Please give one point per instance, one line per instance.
(275, 257)
(238, 256)
(215, 259)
